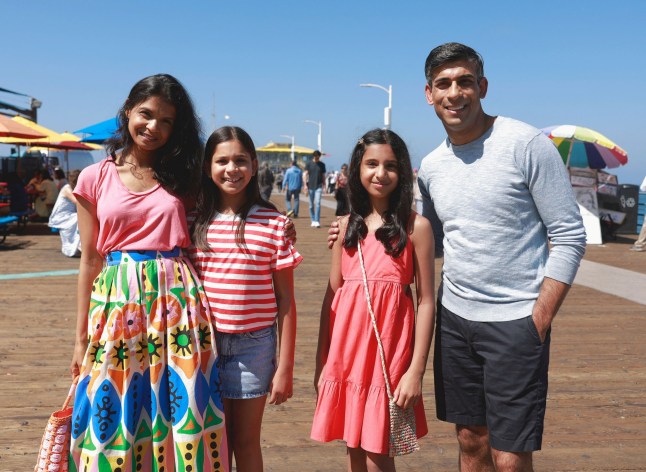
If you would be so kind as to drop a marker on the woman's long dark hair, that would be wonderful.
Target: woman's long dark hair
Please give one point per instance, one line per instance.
(208, 199)
(394, 232)
(179, 162)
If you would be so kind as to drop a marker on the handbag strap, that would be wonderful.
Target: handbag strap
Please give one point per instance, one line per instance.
(71, 392)
(374, 322)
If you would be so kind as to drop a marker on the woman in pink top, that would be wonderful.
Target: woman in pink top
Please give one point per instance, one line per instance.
(148, 397)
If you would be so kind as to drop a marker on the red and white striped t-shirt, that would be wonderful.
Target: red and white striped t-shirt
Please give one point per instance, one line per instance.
(238, 283)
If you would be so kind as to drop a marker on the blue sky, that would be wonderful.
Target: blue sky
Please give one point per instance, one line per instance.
(272, 65)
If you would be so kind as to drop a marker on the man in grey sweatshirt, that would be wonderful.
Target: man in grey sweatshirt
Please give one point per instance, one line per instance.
(502, 194)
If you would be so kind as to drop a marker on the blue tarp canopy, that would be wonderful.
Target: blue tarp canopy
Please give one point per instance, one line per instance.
(99, 132)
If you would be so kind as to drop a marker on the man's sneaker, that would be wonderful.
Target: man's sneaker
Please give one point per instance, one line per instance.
(638, 248)
(316, 224)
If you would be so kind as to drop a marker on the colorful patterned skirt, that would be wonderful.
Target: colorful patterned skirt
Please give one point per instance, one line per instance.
(148, 398)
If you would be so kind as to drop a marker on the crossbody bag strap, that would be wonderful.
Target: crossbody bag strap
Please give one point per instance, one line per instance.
(374, 322)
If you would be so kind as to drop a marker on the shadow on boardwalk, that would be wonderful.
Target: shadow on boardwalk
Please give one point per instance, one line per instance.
(596, 417)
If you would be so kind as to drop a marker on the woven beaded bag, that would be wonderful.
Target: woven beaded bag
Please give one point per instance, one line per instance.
(54, 450)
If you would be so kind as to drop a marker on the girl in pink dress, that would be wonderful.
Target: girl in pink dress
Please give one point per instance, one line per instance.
(398, 249)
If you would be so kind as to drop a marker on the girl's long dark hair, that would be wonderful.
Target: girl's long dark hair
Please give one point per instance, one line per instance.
(394, 232)
(208, 199)
(179, 161)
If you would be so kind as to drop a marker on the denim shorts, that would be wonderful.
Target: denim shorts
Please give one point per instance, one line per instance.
(247, 362)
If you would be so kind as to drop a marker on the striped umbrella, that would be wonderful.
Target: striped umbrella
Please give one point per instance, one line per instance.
(586, 148)
(12, 129)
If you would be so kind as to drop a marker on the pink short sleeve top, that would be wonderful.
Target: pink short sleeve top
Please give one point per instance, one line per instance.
(129, 220)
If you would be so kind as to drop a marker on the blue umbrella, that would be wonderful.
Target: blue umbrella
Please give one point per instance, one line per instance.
(99, 132)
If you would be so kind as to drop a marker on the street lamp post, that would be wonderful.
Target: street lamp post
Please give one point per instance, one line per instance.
(318, 141)
(389, 108)
(213, 121)
(292, 138)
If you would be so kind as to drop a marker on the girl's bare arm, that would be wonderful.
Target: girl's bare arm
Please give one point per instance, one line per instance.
(409, 390)
(282, 384)
(335, 281)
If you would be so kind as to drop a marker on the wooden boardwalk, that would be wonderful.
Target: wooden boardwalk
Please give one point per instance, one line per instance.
(596, 417)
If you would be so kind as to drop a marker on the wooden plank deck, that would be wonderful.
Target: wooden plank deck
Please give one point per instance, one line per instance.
(596, 417)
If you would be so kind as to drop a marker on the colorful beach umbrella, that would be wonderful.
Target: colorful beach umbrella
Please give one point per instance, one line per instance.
(284, 148)
(585, 148)
(48, 135)
(51, 139)
(12, 129)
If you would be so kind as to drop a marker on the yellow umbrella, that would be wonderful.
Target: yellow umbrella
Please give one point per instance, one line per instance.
(72, 137)
(52, 139)
(12, 129)
(50, 135)
(284, 147)
(70, 142)
(67, 138)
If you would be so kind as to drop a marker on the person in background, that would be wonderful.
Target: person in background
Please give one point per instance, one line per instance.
(293, 183)
(640, 243)
(19, 199)
(341, 192)
(46, 193)
(279, 181)
(330, 181)
(59, 178)
(65, 219)
(33, 183)
(265, 181)
(314, 180)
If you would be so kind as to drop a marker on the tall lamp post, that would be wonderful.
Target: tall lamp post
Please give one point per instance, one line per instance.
(389, 108)
(292, 138)
(318, 141)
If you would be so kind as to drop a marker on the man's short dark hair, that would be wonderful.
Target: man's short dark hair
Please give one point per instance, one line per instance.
(452, 52)
(316, 153)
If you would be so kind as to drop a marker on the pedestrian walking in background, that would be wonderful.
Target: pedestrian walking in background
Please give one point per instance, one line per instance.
(314, 181)
(640, 243)
(341, 192)
(293, 183)
(266, 181)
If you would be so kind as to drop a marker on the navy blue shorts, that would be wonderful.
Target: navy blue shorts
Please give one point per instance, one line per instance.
(494, 375)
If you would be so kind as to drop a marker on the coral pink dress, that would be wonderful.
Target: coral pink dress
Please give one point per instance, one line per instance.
(353, 403)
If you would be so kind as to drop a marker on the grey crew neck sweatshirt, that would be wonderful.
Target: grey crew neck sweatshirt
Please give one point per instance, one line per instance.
(501, 199)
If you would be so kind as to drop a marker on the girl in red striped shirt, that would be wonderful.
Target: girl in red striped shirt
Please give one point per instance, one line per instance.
(246, 263)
